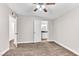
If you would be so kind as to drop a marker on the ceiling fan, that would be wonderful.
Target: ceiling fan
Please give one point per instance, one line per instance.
(41, 6)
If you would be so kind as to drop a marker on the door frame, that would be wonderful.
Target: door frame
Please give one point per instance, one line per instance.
(34, 40)
(11, 35)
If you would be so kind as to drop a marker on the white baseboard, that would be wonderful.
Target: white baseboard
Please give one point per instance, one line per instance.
(75, 52)
(49, 40)
(25, 42)
(32, 41)
(2, 53)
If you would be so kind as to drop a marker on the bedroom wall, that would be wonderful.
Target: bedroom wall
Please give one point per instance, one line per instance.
(25, 28)
(51, 30)
(66, 29)
(4, 28)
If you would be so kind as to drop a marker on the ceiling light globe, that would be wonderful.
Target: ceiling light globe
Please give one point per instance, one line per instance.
(40, 9)
(38, 6)
(43, 6)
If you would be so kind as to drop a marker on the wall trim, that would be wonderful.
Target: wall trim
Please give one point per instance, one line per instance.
(28, 42)
(73, 51)
(2, 53)
(32, 41)
(49, 40)
(25, 42)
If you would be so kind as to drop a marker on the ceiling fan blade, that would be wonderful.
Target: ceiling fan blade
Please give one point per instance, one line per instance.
(35, 9)
(39, 3)
(45, 10)
(50, 3)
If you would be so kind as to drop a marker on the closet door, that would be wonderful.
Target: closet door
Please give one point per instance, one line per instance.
(37, 30)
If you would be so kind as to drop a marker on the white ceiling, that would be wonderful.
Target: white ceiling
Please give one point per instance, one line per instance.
(54, 11)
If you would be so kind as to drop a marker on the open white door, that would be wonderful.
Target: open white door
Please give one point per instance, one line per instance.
(37, 30)
(13, 29)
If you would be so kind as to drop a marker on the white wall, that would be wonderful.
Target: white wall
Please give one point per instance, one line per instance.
(50, 30)
(66, 29)
(25, 29)
(4, 28)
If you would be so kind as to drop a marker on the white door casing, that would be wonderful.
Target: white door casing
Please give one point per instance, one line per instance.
(37, 30)
(13, 29)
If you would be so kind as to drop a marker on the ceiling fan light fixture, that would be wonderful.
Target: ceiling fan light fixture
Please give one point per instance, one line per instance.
(43, 6)
(45, 10)
(38, 6)
(40, 9)
(35, 9)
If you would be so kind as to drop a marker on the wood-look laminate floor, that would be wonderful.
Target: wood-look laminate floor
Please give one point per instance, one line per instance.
(39, 49)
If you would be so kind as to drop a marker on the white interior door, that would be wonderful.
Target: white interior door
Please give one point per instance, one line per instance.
(13, 29)
(37, 30)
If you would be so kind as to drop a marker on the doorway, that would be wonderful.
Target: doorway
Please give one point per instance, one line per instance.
(44, 31)
(12, 32)
(40, 31)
